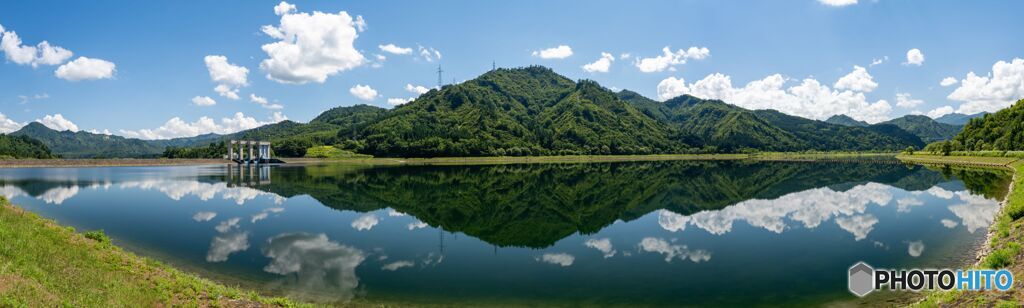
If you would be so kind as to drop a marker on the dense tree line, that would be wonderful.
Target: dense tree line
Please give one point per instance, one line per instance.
(23, 147)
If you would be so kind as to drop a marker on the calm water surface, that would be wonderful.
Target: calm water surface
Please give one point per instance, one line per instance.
(642, 233)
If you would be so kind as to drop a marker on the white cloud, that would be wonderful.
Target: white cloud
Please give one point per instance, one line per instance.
(601, 65)
(604, 245)
(914, 57)
(365, 222)
(416, 225)
(229, 77)
(315, 263)
(560, 52)
(176, 127)
(7, 125)
(668, 59)
(429, 54)
(203, 101)
(858, 80)
(392, 48)
(661, 246)
(809, 99)
(838, 3)
(360, 23)
(998, 90)
(58, 122)
(41, 54)
(915, 248)
(263, 102)
(283, 8)
(948, 81)
(311, 47)
(859, 225)
(625, 56)
(906, 101)
(940, 192)
(562, 259)
(85, 69)
(227, 225)
(419, 90)
(223, 245)
(363, 92)
(941, 111)
(395, 101)
(878, 61)
(949, 223)
(204, 216)
(394, 266)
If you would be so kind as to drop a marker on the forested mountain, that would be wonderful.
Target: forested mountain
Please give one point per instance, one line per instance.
(926, 128)
(22, 147)
(527, 111)
(83, 144)
(1003, 130)
(715, 124)
(842, 119)
(959, 118)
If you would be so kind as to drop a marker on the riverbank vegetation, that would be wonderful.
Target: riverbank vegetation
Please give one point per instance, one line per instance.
(1003, 249)
(43, 264)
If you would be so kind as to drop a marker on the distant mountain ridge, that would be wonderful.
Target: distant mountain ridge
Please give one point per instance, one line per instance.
(516, 112)
(959, 118)
(926, 128)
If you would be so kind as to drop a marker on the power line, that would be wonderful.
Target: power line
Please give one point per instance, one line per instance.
(440, 81)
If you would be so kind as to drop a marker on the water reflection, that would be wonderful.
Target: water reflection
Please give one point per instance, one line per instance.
(341, 232)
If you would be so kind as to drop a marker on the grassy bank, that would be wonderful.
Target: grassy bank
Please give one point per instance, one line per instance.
(1003, 249)
(45, 265)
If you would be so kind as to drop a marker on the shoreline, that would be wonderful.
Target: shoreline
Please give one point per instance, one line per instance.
(483, 160)
(997, 238)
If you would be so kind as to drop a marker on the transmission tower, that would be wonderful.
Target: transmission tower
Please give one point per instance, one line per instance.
(440, 82)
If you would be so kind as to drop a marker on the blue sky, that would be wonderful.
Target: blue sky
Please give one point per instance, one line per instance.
(145, 61)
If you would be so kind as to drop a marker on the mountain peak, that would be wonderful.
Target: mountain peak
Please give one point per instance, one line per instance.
(845, 120)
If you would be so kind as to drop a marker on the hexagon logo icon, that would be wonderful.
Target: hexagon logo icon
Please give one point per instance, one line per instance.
(860, 279)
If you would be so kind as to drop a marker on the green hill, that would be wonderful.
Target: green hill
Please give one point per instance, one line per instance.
(23, 147)
(926, 128)
(1003, 130)
(83, 144)
(527, 111)
(713, 123)
(842, 119)
(959, 118)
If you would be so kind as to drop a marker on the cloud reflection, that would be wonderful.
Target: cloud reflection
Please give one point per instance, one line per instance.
(672, 251)
(317, 262)
(223, 245)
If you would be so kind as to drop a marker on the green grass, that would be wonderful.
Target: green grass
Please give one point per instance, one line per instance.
(326, 151)
(45, 265)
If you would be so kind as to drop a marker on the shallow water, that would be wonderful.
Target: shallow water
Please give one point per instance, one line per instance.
(639, 233)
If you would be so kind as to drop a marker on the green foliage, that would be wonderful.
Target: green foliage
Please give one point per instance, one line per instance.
(1003, 257)
(925, 128)
(98, 236)
(909, 150)
(326, 151)
(1003, 130)
(83, 144)
(959, 118)
(213, 150)
(844, 120)
(23, 147)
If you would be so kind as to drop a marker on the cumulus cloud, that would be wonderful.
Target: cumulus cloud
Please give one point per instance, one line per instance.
(809, 99)
(878, 61)
(58, 122)
(395, 101)
(204, 216)
(86, 69)
(418, 90)
(859, 225)
(283, 8)
(7, 125)
(858, 80)
(949, 223)
(363, 92)
(416, 225)
(948, 81)
(668, 59)
(560, 52)
(562, 259)
(997, 90)
(229, 77)
(310, 47)
(394, 49)
(429, 54)
(223, 245)
(914, 57)
(906, 101)
(227, 225)
(263, 102)
(203, 101)
(601, 65)
(941, 111)
(176, 127)
(41, 54)
(838, 3)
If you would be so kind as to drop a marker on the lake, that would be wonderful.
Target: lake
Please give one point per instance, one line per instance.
(705, 233)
